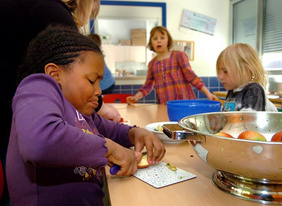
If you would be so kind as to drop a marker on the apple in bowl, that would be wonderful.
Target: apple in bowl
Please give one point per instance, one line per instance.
(224, 134)
(277, 137)
(251, 135)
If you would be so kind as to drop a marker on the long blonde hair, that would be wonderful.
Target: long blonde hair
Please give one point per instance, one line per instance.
(242, 64)
(83, 10)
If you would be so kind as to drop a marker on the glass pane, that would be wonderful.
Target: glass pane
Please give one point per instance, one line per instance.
(245, 21)
(272, 32)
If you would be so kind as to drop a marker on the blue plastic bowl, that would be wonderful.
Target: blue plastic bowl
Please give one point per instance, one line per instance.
(177, 109)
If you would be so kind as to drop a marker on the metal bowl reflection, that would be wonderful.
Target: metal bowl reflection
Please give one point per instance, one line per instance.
(254, 165)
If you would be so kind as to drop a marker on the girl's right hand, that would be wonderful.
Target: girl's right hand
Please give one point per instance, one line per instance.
(126, 158)
(131, 100)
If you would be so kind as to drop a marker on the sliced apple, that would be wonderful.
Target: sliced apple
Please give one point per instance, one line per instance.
(143, 163)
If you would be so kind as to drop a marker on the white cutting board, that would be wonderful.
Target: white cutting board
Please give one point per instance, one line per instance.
(160, 175)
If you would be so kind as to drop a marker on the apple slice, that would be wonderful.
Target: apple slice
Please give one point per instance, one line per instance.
(143, 163)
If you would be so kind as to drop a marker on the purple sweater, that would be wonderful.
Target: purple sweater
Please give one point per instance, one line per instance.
(55, 154)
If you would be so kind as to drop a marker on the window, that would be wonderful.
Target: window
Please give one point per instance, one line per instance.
(245, 22)
(257, 22)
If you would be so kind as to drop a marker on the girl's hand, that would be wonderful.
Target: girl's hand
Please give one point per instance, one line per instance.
(131, 100)
(109, 112)
(212, 97)
(126, 158)
(135, 98)
(142, 138)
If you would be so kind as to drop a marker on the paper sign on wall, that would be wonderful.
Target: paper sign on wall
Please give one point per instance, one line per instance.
(198, 22)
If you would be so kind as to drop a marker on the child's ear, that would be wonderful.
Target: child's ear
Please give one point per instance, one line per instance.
(53, 70)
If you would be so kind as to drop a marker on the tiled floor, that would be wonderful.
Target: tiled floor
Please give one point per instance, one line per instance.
(212, 83)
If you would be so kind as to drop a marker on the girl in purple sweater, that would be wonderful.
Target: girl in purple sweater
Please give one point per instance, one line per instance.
(58, 145)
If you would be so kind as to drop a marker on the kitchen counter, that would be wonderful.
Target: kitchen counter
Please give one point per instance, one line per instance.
(129, 191)
(274, 99)
(130, 80)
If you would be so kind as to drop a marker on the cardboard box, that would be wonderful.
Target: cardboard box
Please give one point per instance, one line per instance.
(139, 41)
(125, 41)
(138, 33)
(138, 37)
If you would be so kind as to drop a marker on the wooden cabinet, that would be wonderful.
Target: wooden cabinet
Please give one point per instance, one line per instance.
(137, 53)
(125, 53)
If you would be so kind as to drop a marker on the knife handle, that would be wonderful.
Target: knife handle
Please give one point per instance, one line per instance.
(114, 169)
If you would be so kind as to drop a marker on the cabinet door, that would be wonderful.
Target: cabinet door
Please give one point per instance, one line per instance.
(137, 54)
(122, 53)
(109, 53)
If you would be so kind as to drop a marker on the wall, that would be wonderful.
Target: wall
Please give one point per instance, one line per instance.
(207, 47)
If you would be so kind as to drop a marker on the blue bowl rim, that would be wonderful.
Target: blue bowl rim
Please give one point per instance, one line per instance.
(181, 103)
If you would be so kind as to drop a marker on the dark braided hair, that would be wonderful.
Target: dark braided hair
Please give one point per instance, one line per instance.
(57, 44)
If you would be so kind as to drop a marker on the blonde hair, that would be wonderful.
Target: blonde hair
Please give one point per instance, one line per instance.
(162, 30)
(83, 10)
(243, 64)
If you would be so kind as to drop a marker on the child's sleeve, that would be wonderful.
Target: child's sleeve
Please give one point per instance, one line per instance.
(149, 83)
(117, 132)
(188, 72)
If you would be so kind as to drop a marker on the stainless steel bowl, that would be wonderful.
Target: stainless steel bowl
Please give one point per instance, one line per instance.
(248, 169)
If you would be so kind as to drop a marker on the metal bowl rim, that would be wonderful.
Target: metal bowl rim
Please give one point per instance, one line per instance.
(228, 138)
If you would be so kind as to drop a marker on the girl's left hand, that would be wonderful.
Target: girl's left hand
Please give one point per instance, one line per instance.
(141, 138)
(212, 97)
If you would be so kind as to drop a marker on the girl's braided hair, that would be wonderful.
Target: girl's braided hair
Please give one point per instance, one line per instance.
(57, 44)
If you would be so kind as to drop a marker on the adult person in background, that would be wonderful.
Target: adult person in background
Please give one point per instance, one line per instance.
(107, 84)
(21, 21)
(170, 72)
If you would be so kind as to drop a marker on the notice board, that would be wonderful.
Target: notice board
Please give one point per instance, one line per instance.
(198, 22)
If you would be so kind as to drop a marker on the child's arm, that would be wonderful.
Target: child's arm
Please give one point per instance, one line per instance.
(135, 98)
(147, 86)
(109, 112)
(209, 95)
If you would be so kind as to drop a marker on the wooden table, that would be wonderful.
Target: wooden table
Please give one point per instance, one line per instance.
(200, 191)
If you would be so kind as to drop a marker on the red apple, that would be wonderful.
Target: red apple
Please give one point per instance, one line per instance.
(224, 134)
(252, 135)
(277, 137)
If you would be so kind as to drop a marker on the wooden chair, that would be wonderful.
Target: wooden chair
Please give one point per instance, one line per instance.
(115, 98)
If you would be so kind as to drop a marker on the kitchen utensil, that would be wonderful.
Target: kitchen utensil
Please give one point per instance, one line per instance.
(114, 169)
(251, 170)
(160, 175)
(153, 127)
(178, 109)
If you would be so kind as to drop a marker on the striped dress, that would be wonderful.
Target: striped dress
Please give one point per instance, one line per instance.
(172, 78)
